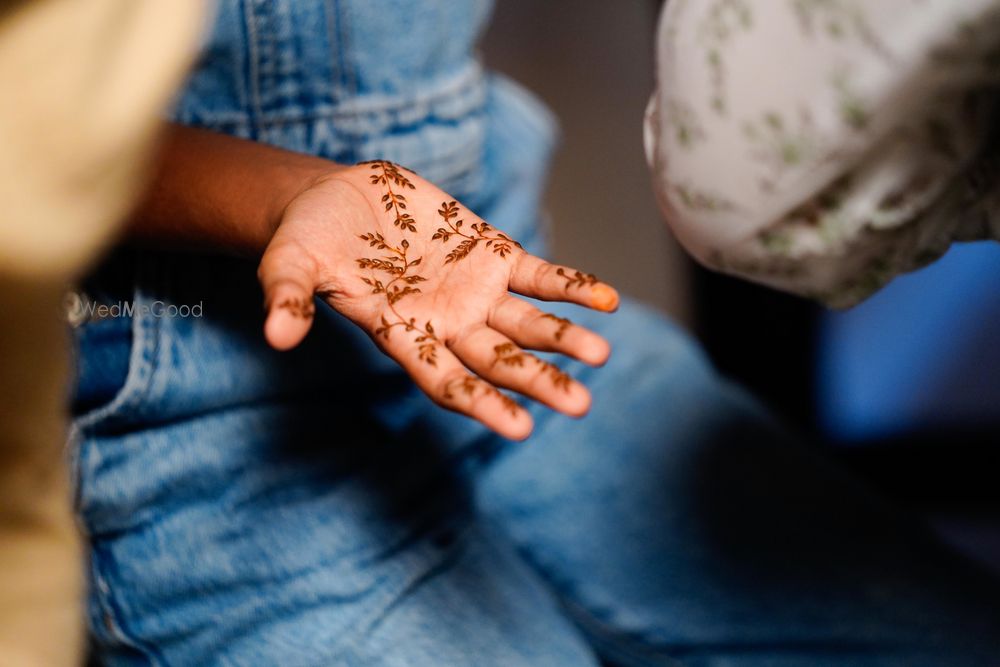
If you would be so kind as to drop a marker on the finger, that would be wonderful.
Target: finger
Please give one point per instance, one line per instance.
(539, 279)
(288, 297)
(494, 357)
(441, 376)
(536, 330)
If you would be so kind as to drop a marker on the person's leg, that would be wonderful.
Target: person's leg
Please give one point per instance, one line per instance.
(680, 524)
(246, 507)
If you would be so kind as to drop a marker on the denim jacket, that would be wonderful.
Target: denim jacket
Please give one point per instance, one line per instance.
(351, 80)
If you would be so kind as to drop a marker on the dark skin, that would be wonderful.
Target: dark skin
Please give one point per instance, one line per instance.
(426, 278)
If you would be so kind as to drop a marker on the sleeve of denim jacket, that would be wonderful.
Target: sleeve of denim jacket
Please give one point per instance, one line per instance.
(824, 146)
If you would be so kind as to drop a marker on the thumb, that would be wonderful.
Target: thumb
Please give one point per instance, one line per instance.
(288, 277)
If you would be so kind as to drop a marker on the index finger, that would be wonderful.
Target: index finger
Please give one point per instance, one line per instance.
(536, 278)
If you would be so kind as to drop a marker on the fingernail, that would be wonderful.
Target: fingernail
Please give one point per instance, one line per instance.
(604, 298)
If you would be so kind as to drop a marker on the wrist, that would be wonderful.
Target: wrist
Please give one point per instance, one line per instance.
(221, 192)
(296, 175)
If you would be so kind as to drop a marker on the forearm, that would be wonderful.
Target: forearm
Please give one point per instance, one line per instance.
(214, 191)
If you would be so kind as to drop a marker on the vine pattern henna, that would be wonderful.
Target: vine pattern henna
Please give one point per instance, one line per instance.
(561, 321)
(300, 308)
(559, 378)
(578, 279)
(468, 386)
(401, 281)
(508, 354)
(483, 232)
(387, 174)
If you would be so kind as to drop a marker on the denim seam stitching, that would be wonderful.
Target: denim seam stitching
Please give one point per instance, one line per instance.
(253, 56)
(349, 73)
(467, 85)
(112, 614)
(138, 381)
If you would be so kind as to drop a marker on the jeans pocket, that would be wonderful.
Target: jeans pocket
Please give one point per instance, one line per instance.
(102, 355)
(115, 359)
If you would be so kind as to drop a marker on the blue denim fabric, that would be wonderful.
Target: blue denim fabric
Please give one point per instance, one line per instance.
(249, 507)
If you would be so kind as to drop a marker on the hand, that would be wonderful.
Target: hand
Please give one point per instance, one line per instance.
(430, 282)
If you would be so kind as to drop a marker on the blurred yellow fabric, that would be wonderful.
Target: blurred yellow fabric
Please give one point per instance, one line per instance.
(83, 83)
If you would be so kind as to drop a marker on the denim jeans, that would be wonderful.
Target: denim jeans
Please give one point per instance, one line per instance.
(250, 507)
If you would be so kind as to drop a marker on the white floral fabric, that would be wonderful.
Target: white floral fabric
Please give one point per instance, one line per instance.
(824, 146)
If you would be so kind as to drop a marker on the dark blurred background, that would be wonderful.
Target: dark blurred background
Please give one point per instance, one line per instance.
(905, 389)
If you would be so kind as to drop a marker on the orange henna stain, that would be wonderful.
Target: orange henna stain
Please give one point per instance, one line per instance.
(604, 298)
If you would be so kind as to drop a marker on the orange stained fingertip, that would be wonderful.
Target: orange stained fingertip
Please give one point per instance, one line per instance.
(604, 298)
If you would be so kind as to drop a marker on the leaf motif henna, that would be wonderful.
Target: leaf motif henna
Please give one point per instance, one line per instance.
(300, 308)
(560, 379)
(449, 211)
(397, 264)
(508, 354)
(509, 403)
(376, 240)
(389, 171)
(561, 321)
(387, 265)
(462, 251)
(428, 344)
(386, 327)
(468, 385)
(395, 293)
(388, 174)
(500, 243)
(578, 279)
(428, 352)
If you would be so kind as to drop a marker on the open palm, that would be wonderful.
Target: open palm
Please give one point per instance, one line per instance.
(431, 283)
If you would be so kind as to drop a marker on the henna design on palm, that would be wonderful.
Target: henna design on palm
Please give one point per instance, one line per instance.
(396, 263)
(441, 302)
(483, 232)
(388, 174)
